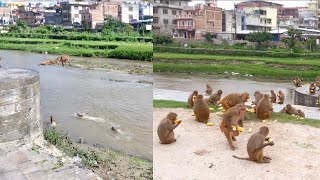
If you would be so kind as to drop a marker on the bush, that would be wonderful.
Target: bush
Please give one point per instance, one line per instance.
(162, 39)
(132, 53)
(234, 52)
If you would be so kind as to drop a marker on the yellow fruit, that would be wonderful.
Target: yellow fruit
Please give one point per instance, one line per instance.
(240, 129)
(264, 121)
(219, 113)
(270, 140)
(192, 114)
(220, 108)
(250, 130)
(210, 124)
(177, 121)
(210, 108)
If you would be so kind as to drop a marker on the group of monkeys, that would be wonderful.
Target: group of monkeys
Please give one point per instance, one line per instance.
(233, 117)
(312, 87)
(59, 60)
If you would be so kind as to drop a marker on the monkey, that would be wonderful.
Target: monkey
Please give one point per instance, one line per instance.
(280, 97)
(81, 115)
(301, 113)
(53, 122)
(114, 130)
(191, 98)
(63, 59)
(291, 110)
(201, 109)
(312, 88)
(233, 99)
(214, 98)
(264, 107)
(209, 90)
(297, 81)
(47, 62)
(255, 146)
(234, 116)
(284, 110)
(166, 127)
(273, 97)
(318, 82)
(258, 95)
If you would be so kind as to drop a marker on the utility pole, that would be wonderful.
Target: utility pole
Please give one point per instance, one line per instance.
(234, 18)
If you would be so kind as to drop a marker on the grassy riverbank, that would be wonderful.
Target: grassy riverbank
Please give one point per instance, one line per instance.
(280, 117)
(246, 66)
(110, 49)
(109, 164)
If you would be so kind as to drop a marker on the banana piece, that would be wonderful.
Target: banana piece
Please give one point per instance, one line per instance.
(210, 124)
(177, 121)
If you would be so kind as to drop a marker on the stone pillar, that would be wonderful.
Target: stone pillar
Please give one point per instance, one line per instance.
(20, 105)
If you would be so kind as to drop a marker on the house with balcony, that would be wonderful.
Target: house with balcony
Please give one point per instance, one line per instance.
(195, 21)
(260, 18)
(53, 15)
(71, 16)
(5, 16)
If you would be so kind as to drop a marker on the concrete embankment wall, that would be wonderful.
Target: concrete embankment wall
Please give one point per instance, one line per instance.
(20, 105)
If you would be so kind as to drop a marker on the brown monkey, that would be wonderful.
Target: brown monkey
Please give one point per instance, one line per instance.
(280, 97)
(166, 127)
(264, 107)
(47, 62)
(53, 122)
(233, 99)
(312, 88)
(301, 113)
(192, 97)
(297, 81)
(255, 146)
(234, 116)
(63, 60)
(214, 98)
(291, 110)
(273, 97)
(201, 109)
(209, 90)
(284, 110)
(258, 96)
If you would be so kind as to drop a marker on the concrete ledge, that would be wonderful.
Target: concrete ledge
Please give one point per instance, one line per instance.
(302, 97)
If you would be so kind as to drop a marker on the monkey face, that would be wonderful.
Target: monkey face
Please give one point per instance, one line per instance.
(288, 106)
(195, 93)
(172, 116)
(219, 92)
(264, 130)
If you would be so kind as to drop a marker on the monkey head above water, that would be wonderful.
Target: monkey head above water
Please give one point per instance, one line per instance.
(255, 146)
(166, 127)
(208, 90)
(234, 116)
(53, 122)
(297, 81)
(233, 99)
(192, 98)
(312, 88)
(81, 115)
(201, 109)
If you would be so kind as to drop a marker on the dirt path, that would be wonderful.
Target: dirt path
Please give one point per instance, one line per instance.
(295, 155)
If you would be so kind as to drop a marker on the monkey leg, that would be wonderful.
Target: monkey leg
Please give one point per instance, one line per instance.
(225, 105)
(266, 157)
(233, 138)
(229, 138)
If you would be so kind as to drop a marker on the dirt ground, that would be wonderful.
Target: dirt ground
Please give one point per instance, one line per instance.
(295, 155)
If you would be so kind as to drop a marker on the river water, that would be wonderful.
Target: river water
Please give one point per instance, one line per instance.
(111, 99)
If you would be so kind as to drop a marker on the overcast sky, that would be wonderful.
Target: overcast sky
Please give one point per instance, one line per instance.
(228, 4)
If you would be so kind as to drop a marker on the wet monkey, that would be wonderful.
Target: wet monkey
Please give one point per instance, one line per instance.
(214, 98)
(280, 97)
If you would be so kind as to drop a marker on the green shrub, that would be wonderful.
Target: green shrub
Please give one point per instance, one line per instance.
(132, 53)
(162, 39)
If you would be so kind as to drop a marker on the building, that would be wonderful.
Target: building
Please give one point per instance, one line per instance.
(164, 14)
(32, 15)
(71, 16)
(260, 18)
(288, 17)
(307, 19)
(92, 16)
(232, 20)
(53, 15)
(111, 9)
(195, 21)
(5, 16)
(257, 3)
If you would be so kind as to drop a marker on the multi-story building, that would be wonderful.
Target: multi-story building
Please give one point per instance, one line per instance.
(257, 3)
(111, 9)
(260, 18)
(136, 13)
(53, 16)
(232, 21)
(5, 15)
(195, 21)
(92, 16)
(307, 19)
(32, 15)
(164, 14)
(71, 13)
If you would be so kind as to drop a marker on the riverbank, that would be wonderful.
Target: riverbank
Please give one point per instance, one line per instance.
(83, 48)
(108, 163)
(289, 160)
(237, 66)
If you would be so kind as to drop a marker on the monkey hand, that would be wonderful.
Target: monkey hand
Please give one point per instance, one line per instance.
(267, 138)
(271, 143)
(178, 121)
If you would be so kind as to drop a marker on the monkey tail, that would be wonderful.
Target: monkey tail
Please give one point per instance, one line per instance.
(241, 158)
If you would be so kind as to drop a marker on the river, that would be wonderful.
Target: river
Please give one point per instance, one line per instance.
(111, 99)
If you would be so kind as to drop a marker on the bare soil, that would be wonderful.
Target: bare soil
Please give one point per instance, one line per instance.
(295, 155)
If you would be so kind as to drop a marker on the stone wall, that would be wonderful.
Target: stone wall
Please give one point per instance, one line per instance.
(20, 105)
(304, 99)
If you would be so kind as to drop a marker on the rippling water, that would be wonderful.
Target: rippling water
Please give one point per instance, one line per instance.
(65, 91)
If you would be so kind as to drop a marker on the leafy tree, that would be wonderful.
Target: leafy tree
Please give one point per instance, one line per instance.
(57, 29)
(259, 37)
(208, 37)
(162, 39)
(112, 25)
(311, 44)
(294, 37)
(20, 27)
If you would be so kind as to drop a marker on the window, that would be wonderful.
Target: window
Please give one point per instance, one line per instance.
(174, 12)
(181, 23)
(165, 21)
(76, 7)
(130, 8)
(190, 23)
(155, 20)
(155, 10)
(130, 17)
(174, 21)
(165, 11)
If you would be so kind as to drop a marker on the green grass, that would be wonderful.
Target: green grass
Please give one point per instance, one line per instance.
(110, 49)
(280, 117)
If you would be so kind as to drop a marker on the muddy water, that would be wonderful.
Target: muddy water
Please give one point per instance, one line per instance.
(125, 105)
(175, 87)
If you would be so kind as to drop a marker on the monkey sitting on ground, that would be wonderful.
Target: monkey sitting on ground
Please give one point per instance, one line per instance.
(297, 81)
(63, 59)
(234, 116)
(312, 88)
(166, 127)
(264, 107)
(280, 97)
(255, 146)
(273, 97)
(209, 90)
(192, 97)
(214, 98)
(301, 113)
(258, 96)
(233, 99)
(201, 109)
(291, 110)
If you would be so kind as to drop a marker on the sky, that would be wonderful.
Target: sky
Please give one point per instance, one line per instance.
(228, 4)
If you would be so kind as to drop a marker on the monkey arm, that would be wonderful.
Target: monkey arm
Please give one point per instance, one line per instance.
(264, 145)
(173, 126)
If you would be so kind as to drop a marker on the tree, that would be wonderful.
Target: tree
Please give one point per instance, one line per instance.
(311, 43)
(112, 25)
(20, 27)
(294, 37)
(259, 37)
(208, 37)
